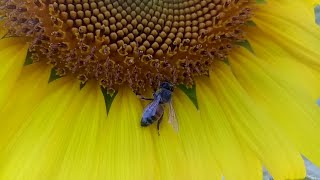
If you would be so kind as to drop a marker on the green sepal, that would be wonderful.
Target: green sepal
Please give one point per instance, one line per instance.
(82, 85)
(53, 75)
(7, 36)
(226, 61)
(108, 98)
(251, 23)
(28, 59)
(2, 18)
(261, 1)
(246, 44)
(317, 14)
(191, 93)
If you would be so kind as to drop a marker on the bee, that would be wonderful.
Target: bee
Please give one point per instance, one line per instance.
(155, 110)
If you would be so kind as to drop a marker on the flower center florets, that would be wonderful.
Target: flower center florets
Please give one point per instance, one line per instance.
(136, 42)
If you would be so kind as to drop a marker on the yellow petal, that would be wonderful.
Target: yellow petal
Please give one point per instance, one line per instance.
(313, 3)
(126, 149)
(184, 155)
(254, 128)
(24, 97)
(198, 148)
(67, 136)
(234, 158)
(285, 89)
(48, 133)
(291, 24)
(285, 66)
(84, 130)
(288, 54)
(13, 52)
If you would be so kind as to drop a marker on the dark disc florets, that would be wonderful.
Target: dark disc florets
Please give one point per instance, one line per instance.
(134, 42)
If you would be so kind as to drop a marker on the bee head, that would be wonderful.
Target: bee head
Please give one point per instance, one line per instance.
(167, 86)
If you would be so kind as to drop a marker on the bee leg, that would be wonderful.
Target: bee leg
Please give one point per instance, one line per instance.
(158, 124)
(145, 98)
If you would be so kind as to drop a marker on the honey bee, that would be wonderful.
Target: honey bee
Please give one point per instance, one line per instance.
(155, 110)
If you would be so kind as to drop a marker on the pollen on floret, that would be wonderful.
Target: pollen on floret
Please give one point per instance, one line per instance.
(136, 42)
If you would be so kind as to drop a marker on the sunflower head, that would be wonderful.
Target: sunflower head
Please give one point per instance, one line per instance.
(140, 43)
(257, 108)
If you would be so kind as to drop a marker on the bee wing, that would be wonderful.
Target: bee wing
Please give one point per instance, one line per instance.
(172, 117)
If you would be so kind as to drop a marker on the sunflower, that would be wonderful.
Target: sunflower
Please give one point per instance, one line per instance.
(246, 75)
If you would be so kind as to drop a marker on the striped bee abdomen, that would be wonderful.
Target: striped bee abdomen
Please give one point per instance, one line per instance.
(148, 119)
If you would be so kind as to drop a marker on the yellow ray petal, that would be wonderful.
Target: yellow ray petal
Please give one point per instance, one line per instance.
(286, 90)
(234, 159)
(288, 68)
(194, 139)
(254, 127)
(127, 150)
(67, 136)
(150, 156)
(38, 147)
(25, 96)
(288, 54)
(86, 118)
(184, 155)
(291, 24)
(190, 155)
(12, 55)
(312, 3)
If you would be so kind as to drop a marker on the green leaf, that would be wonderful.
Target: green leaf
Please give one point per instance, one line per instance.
(246, 44)
(261, 1)
(191, 93)
(28, 60)
(317, 14)
(251, 23)
(108, 98)
(53, 75)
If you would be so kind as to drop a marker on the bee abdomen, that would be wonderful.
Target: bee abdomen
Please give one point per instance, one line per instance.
(147, 121)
